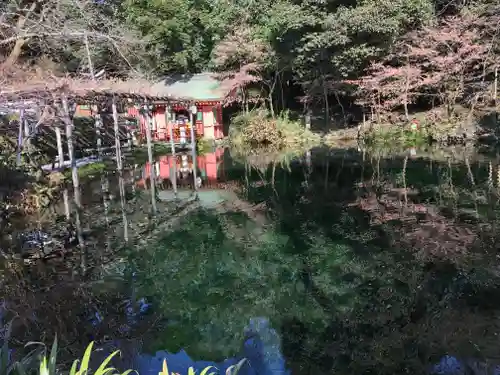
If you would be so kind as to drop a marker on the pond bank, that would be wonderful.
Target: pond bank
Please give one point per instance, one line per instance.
(435, 125)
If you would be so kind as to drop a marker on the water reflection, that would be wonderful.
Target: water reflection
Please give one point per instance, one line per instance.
(176, 171)
(363, 261)
(121, 182)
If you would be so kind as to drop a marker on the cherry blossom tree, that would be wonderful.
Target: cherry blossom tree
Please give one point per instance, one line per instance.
(448, 62)
(242, 59)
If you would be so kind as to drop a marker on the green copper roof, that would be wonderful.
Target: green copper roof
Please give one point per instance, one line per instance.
(203, 86)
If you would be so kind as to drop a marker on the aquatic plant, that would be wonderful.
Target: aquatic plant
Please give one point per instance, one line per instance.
(48, 365)
(232, 370)
(78, 367)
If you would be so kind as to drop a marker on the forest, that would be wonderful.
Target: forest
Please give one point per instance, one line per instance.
(353, 58)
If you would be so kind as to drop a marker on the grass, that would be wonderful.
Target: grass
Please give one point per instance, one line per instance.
(391, 137)
(258, 128)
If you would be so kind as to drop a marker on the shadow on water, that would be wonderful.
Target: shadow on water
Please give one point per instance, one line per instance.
(363, 262)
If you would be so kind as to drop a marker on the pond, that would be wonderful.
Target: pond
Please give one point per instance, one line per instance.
(362, 261)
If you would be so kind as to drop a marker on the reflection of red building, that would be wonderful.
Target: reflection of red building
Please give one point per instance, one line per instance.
(209, 168)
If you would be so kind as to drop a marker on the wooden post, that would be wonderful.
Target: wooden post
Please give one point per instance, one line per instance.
(20, 139)
(130, 141)
(22, 118)
(117, 136)
(150, 157)
(193, 146)
(69, 138)
(98, 124)
(26, 128)
(173, 178)
(105, 195)
(308, 119)
(495, 93)
(66, 204)
(76, 181)
(60, 154)
(132, 180)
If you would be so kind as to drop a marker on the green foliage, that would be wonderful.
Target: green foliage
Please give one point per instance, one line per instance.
(395, 137)
(350, 36)
(203, 146)
(175, 31)
(259, 128)
(48, 365)
(335, 38)
(232, 370)
(140, 154)
(87, 171)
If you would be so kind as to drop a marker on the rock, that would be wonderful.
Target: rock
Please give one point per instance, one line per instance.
(450, 365)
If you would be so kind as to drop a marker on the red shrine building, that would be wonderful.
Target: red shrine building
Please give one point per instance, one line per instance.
(208, 96)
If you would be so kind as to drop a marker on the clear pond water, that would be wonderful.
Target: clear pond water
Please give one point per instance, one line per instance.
(363, 262)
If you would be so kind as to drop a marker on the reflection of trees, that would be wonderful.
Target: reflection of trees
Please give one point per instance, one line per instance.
(365, 266)
(211, 276)
(53, 295)
(392, 257)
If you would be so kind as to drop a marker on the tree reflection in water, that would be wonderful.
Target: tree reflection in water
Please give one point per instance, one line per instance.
(364, 263)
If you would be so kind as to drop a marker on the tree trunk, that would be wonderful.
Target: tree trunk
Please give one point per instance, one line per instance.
(18, 46)
(495, 93)
(282, 94)
(327, 105)
(407, 88)
(244, 100)
(271, 105)
(15, 53)
(495, 87)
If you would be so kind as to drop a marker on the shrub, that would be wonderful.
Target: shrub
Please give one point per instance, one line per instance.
(203, 146)
(258, 128)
